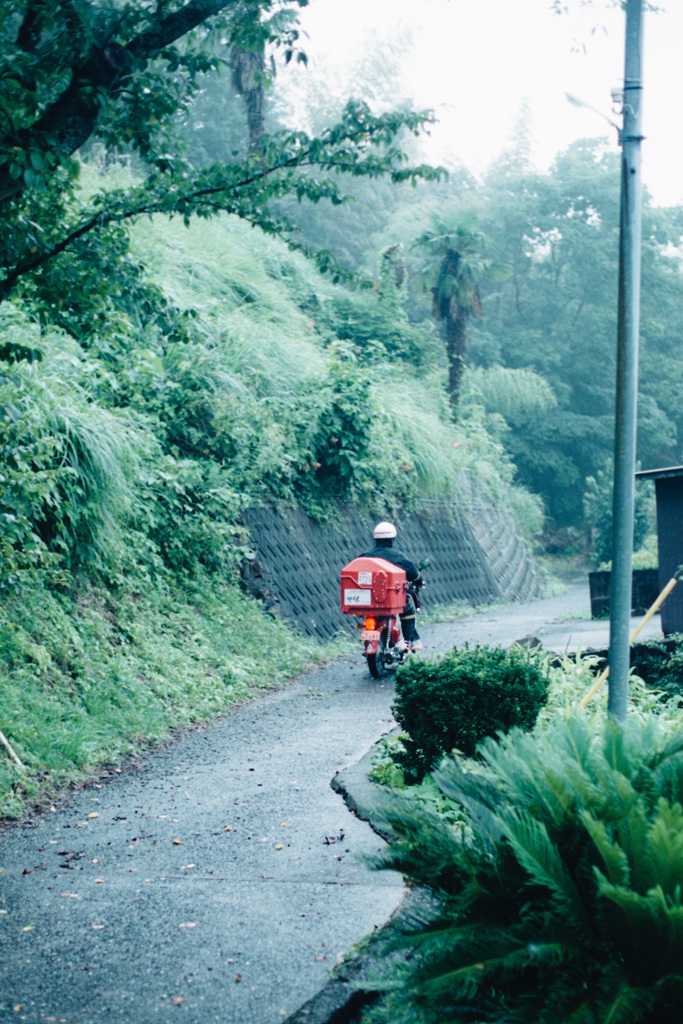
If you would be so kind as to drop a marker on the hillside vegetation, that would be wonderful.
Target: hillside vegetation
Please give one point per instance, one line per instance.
(211, 369)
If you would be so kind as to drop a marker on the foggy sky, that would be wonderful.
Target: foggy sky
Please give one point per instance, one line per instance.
(475, 63)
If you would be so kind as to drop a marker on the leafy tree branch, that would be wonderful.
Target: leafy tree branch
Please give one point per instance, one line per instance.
(62, 73)
(361, 145)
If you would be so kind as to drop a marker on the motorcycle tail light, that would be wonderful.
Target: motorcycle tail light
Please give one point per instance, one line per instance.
(370, 623)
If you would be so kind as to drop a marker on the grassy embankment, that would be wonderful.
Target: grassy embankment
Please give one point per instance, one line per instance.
(87, 677)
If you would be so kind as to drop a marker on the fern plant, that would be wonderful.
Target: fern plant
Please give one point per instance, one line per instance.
(562, 899)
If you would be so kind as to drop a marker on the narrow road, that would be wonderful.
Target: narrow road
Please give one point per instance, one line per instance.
(219, 878)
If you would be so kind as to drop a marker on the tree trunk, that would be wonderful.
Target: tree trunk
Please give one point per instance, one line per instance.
(70, 119)
(456, 347)
(248, 67)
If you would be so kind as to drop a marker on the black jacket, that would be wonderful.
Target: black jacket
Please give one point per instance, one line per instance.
(388, 553)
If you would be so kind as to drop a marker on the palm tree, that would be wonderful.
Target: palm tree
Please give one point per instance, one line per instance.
(455, 261)
(248, 70)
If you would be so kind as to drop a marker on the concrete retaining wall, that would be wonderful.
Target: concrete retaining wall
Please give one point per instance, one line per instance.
(475, 557)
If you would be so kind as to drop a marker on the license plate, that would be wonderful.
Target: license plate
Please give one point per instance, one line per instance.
(370, 634)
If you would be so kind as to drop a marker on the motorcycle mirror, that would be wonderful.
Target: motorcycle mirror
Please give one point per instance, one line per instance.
(424, 564)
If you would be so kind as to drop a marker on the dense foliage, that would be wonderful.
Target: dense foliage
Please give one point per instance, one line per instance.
(139, 419)
(560, 899)
(176, 93)
(598, 511)
(557, 316)
(541, 357)
(659, 663)
(162, 409)
(454, 702)
(124, 78)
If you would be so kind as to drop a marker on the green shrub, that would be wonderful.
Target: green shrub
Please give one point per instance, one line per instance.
(471, 693)
(560, 901)
(659, 663)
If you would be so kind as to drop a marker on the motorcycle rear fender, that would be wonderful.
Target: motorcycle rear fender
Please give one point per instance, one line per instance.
(371, 647)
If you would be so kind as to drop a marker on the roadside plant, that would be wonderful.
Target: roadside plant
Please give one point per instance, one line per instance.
(660, 665)
(472, 692)
(561, 899)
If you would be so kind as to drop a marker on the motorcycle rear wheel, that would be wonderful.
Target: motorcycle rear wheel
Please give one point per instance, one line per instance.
(377, 663)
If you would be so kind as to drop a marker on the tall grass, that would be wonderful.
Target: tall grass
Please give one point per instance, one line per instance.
(247, 297)
(256, 306)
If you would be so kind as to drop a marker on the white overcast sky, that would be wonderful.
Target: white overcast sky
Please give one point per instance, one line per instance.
(475, 61)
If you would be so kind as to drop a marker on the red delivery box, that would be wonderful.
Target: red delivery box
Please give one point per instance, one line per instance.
(372, 585)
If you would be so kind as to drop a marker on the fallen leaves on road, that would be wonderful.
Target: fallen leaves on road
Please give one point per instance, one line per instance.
(93, 814)
(188, 924)
(177, 842)
(177, 1000)
(279, 846)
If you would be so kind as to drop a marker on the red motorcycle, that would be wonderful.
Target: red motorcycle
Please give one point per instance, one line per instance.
(376, 590)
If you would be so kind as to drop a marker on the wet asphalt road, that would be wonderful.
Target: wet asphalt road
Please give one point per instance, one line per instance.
(220, 878)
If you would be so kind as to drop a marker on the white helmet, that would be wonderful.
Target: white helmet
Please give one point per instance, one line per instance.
(384, 531)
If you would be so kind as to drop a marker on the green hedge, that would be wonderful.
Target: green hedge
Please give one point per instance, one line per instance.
(455, 702)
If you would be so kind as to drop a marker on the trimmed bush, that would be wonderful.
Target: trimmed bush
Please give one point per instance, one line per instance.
(472, 692)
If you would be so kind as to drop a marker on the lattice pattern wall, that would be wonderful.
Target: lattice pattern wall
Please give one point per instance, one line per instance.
(505, 553)
(475, 557)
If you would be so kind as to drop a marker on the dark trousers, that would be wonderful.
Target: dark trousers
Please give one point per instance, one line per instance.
(410, 634)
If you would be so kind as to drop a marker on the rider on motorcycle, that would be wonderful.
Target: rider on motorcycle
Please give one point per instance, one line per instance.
(384, 534)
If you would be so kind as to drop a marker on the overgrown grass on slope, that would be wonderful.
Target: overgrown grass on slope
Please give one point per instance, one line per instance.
(88, 678)
(259, 308)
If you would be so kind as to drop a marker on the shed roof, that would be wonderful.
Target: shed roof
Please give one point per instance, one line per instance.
(658, 474)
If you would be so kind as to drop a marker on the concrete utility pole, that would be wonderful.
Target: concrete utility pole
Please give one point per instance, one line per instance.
(627, 365)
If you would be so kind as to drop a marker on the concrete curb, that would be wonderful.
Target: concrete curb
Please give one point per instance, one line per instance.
(360, 795)
(339, 1002)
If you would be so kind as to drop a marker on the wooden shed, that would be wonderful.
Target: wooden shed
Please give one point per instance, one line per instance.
(669, 495)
